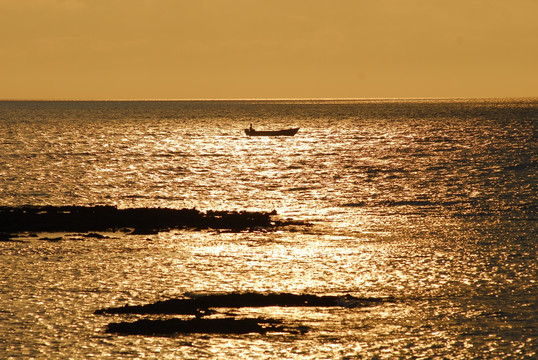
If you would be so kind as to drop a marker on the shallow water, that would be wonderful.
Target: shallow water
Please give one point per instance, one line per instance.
(432, 203)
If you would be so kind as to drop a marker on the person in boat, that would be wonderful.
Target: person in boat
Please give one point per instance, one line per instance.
(251, 128)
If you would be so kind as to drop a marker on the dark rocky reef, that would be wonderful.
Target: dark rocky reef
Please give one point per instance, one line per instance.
(142, 220)
(201, 304)
(205, 305)
(201, 326)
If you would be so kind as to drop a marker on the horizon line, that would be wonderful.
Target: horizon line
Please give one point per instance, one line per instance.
(272, 99)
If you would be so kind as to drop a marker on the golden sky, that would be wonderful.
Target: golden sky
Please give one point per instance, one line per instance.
(228, 49)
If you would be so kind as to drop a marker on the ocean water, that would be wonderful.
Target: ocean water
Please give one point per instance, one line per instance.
(431, 203)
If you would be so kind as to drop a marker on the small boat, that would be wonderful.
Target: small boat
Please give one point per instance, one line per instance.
(284, 132)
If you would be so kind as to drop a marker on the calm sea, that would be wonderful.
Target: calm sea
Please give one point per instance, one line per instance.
(430, 202)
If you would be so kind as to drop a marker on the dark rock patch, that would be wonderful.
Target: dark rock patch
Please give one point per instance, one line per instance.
(95, 236)
(51, 239)
(143, 231)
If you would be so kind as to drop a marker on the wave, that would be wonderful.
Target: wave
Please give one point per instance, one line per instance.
(302, 188)
(522, 166)
(396, 203)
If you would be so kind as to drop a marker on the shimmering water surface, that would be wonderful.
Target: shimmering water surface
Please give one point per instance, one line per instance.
(430, 202)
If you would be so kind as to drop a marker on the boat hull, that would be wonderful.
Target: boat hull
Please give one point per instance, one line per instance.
(285, 132)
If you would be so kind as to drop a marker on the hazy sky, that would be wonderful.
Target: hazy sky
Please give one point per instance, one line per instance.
(214, 49)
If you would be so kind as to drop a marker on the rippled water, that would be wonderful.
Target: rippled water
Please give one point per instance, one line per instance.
(432, 203)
